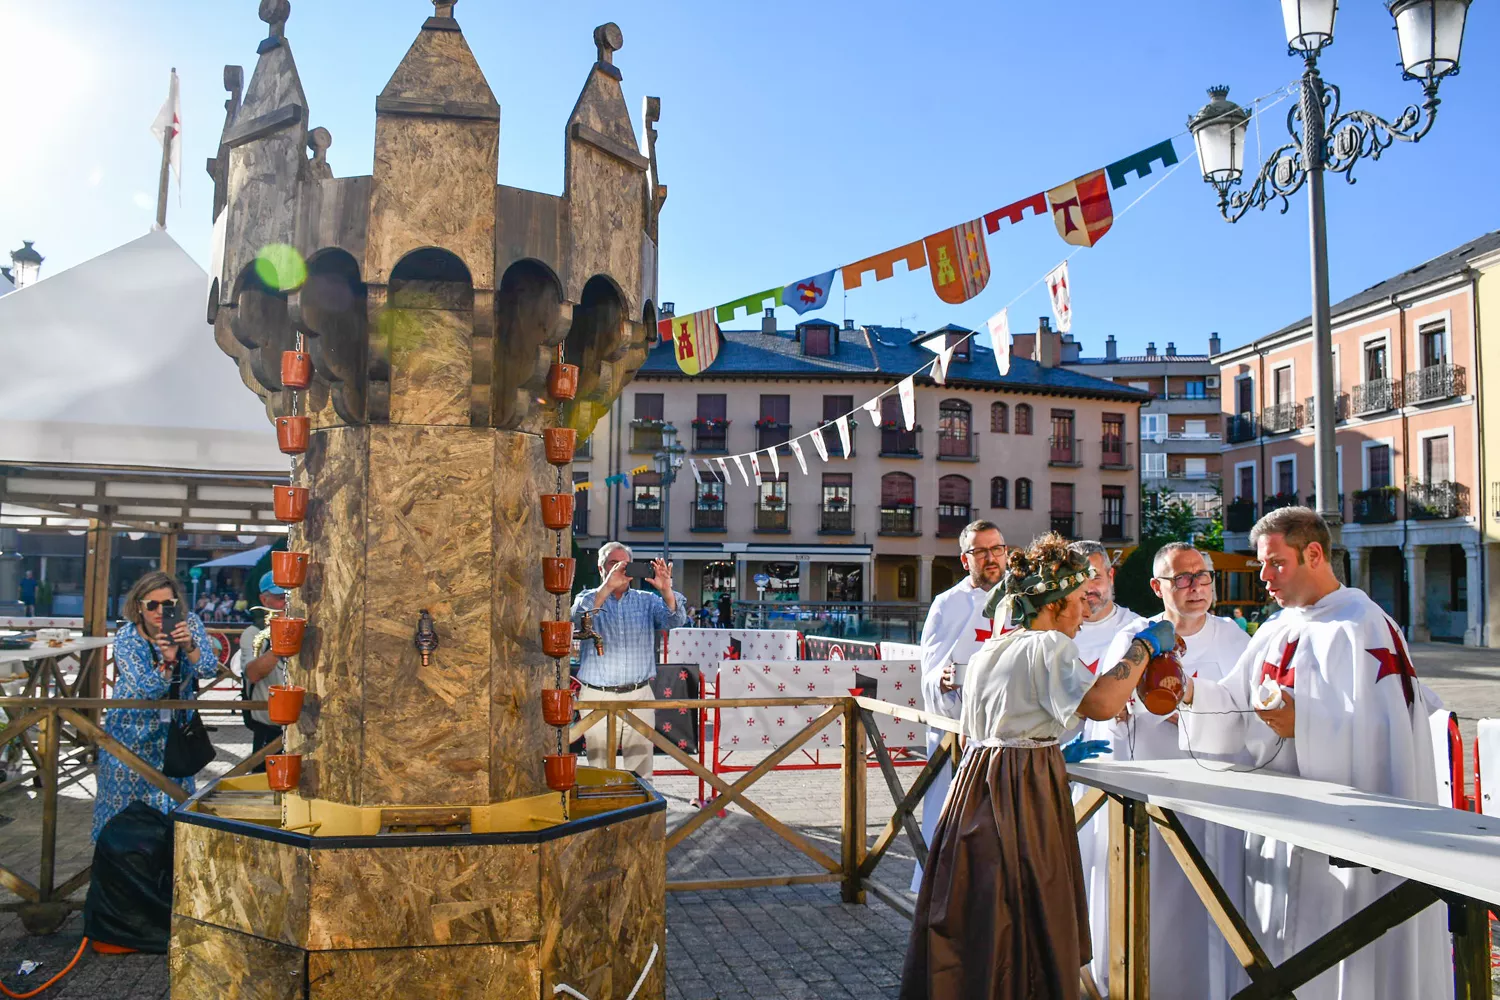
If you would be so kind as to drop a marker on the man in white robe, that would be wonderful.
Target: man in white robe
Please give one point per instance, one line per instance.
(1325, 690)
(1103, 621)
(1189, 963)
(956, 627)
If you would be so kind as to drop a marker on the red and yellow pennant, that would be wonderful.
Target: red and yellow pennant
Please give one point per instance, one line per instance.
(694, 338)
(959, 262)
(1082, 210)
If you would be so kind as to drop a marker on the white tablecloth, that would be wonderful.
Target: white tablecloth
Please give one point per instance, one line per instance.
(897, 681)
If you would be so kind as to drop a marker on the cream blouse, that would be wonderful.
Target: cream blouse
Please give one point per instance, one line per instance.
(1024, 685)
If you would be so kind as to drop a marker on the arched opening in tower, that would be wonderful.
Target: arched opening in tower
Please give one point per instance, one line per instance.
(427, 333)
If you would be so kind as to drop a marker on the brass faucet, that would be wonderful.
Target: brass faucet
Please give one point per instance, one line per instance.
(426, 639)
(586, 631)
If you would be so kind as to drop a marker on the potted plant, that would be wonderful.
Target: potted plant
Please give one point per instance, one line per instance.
(774, 501)
(835, 503)
(765, 423)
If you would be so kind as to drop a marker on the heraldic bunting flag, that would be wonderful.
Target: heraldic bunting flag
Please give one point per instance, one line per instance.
(959, 261)
(1082, 210)
(809, 293)
(695, 339)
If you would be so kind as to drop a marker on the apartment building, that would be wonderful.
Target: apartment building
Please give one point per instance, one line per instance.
(1039, 448)
(1409, 440)
(1181, 423)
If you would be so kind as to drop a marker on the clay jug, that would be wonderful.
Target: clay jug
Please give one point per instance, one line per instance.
(562, 381)
(557, 706)
(1162, 684)
(283, 771)
(560, 442)
(562, 771)
(290, 503)
(557, 574)
(557, 638)
(557, 510)
(296, 369)
(289, 569)
(292, 433)
(286, 635)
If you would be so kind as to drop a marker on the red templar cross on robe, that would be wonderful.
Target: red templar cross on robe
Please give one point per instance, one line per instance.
(1395, 661)
(1284, 674)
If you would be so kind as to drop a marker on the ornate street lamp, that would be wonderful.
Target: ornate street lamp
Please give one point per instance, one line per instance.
(26, 264)
(1430, 35)
(668, 461)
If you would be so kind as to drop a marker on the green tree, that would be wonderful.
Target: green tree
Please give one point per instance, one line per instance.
(1133, 579)
(1165, 517)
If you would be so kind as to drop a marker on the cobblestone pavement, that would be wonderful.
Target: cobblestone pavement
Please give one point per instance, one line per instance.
(777, 943)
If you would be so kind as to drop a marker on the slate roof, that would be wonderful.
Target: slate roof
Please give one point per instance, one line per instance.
(883, 353)
(1442, 266)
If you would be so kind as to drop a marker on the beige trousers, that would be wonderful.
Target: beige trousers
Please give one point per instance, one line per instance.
(635, 748)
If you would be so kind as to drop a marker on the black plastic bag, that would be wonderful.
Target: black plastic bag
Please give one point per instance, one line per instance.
(130, 887)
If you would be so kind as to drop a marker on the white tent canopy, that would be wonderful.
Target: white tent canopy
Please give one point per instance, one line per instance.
(112, 363)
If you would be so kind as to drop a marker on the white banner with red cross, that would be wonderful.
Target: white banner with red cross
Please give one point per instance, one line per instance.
(896, 681)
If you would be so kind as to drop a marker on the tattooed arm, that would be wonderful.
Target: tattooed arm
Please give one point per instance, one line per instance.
(1112, 687)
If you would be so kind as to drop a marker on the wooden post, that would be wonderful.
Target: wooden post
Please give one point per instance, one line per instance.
(166, 155)
(1129, 900)
(48, 737)
(169, 551)
(1469, 922)
(852, 852)
(96, 601)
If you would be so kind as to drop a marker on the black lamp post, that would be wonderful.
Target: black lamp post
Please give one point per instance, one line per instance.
(668, 461)
(25, 264)
(1430, 34)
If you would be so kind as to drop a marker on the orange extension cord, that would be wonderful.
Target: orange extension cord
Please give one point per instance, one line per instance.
(51, 982)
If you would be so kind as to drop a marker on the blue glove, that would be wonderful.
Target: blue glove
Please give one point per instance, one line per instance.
(1080, 750)
(1160, 636)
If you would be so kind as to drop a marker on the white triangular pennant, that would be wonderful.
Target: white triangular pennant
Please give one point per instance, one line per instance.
(755, 467)
(907, 390)
(843, 425)
(1062, 297)
(741, 466)
(1000, 339)
(938, 346)
(818, 443)
(697, 478)
(723, 471)
(775, 462)
(797, 451)
(873, 408)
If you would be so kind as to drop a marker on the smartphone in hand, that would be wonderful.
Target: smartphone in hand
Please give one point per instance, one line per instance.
(171, 617)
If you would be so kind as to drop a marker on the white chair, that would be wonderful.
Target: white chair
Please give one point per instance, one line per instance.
(1487, 761)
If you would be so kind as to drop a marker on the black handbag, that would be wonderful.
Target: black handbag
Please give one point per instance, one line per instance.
(189, 748)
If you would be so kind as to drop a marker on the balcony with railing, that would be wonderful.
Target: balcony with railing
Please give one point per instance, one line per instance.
(772, 516)
(1375, 506)
(952, 518)
(1281, 418)
(1278, 500)
(1375, 396)
(1068, 523)
(1436, 501)
(710, 435)
(1067, 452)
(1240, 429)
(1435, 382)
(772, 433)
(1114, 453)
(900, 520)
(1239, 515)
(644, 516)
(645, 436)
(896, 442)
(581, 514)
(1340, 408)
(708, 515)
(832, 442)
(838, 518)
(961, 447)
(1114, 526)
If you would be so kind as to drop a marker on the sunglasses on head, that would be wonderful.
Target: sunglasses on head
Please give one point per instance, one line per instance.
(153, 605)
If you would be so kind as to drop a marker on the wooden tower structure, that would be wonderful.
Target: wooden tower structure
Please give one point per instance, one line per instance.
(424, 851)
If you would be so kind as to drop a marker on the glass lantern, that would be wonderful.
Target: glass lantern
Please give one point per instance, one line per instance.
(1309, 24)
(1431, 34)
(1219, 131)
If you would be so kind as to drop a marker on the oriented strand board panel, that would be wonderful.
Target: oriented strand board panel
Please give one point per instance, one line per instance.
(431, 351)
(254, 886)
(211, 963)
(331, 665)
(401, 897)
(464, 972)
(427, 729)
(604, 906)
(518, 668)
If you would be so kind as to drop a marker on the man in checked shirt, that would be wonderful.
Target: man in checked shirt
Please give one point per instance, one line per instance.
(629, 620)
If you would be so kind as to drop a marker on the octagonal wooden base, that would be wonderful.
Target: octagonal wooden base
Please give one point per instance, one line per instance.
(263, 913)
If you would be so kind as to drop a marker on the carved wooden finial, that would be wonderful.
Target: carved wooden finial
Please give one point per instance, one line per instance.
(443, 8)
(275, 13)
(318, 140)
(609, 40)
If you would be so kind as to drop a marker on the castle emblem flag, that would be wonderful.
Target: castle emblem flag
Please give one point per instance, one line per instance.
(695, 339)
(959, 262)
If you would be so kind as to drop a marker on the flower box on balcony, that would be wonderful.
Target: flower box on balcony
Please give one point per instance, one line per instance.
(835, 503)
(773, 501)
(647, 502)
(710, 423)
(647, 423)
(769, 423)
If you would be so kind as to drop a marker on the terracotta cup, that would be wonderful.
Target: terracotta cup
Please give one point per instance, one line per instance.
(284, 770)
(289, 569)
(557, 574)
(286, 635)
(560, 442)
(286, 704)
(557, 510)
(562, 381)
(557, 706)
(562, 771)
(292, 433)
(290, 503)
(557, 638)
(1162, 685)
(296, 369)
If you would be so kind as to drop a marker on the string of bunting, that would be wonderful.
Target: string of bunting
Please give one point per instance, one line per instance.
(1081, 210)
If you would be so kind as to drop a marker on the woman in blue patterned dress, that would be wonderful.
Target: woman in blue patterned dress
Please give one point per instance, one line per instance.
(145, 661)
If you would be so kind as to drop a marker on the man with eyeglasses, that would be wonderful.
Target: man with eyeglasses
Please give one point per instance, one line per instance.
(1193, 961)
(955, 629)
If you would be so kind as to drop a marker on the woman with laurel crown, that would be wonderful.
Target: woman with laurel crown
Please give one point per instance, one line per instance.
(1001, 914)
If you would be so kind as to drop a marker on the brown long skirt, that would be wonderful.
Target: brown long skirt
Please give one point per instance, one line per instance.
(1001, 914)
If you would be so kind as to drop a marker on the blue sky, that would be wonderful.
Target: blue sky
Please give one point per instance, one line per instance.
(797, 137)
